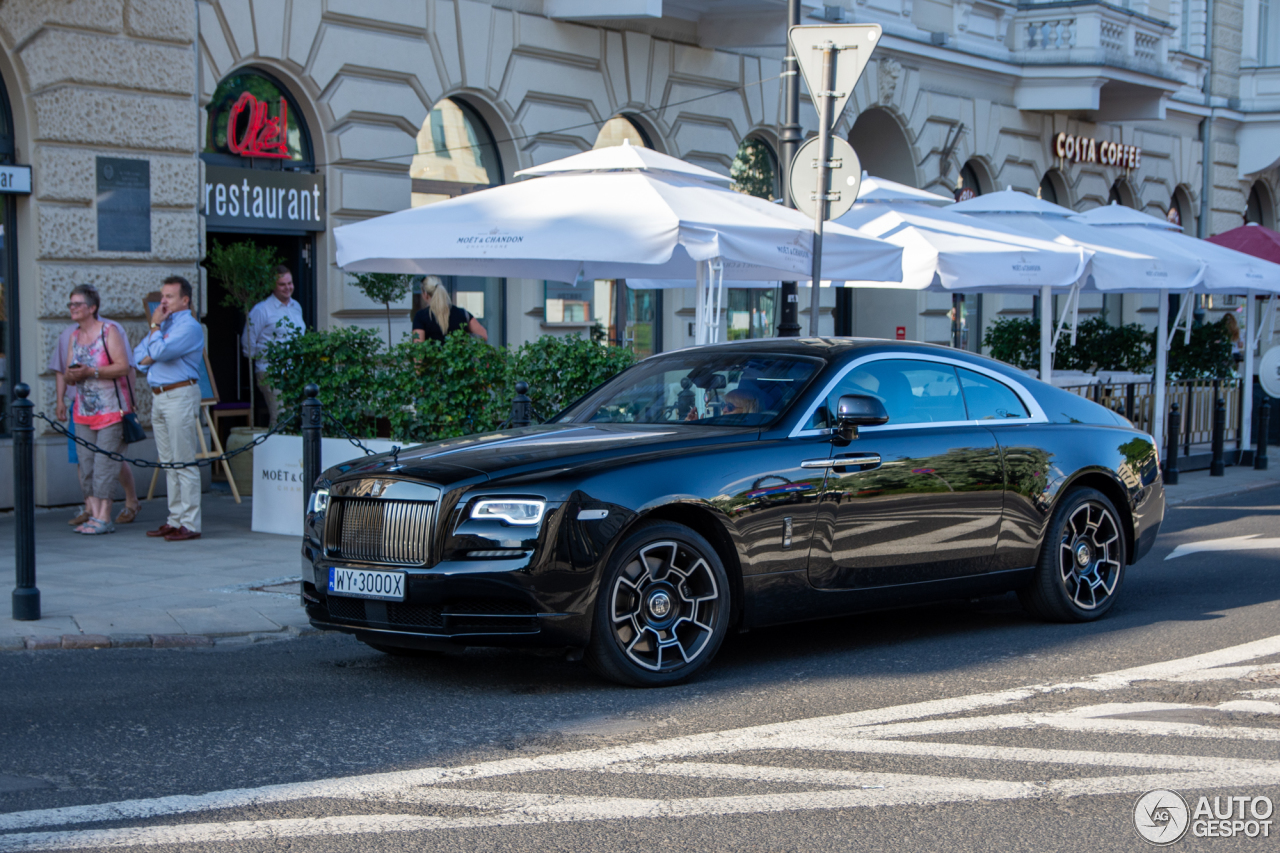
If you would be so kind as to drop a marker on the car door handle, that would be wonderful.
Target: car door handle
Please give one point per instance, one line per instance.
(845, 462)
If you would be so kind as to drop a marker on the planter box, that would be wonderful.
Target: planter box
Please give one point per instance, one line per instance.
(279, 494)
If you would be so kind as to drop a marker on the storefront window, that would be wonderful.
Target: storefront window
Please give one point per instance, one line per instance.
(8, 297)
(256, 134)
(642, 330)
(1047, 191)
(617, 129)
(752, 313)
(1258, 208)
(582, 303)
(968, 186)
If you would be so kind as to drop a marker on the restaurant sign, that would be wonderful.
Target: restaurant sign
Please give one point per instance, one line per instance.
(1080, 149)
(263, 200)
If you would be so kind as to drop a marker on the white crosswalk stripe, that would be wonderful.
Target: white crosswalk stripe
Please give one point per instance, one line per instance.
(892, 731)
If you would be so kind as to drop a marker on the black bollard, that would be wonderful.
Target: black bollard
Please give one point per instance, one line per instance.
(1264, 423)
(26, 597)
(1218, 465)
(312, 417)
(1171, 458)
(522, 406)
(1129, 394)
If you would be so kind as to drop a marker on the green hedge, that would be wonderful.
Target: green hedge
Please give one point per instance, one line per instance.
(418, 392)
(1101, 346)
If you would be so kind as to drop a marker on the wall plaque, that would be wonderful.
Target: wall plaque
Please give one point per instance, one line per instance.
(124, 205)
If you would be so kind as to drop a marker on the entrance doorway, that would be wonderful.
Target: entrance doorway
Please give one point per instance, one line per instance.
(231, 370)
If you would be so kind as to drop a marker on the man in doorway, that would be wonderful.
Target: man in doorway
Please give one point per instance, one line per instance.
(278, 317)
(58, 364)
(170, 354)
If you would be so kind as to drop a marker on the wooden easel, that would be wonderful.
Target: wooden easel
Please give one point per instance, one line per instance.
(208, 397)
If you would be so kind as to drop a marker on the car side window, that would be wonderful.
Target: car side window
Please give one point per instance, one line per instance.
(989, 399)
(912, 391)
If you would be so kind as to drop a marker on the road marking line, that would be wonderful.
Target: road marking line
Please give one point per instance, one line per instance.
(1249, 542)
(798, 734)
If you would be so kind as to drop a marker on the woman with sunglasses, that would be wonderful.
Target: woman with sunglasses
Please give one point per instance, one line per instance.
(97, 359)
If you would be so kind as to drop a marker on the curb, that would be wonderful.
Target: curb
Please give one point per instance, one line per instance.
(51, 642)
(1226, 491)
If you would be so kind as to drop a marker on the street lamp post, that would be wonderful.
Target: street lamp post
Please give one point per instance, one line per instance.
(789, 139)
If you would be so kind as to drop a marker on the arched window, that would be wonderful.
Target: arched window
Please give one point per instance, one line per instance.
(883, 147)
(619, 128)
(1121, 193)
(970, 183)
(255, 100)
(457, 155)
(1053, 188)
(755, 169)
(1260, 208)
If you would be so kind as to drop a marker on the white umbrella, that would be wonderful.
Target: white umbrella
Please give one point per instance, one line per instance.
(654, 220)
(1117, 266)
(944, 250)
(1226, 271)
(873, 190)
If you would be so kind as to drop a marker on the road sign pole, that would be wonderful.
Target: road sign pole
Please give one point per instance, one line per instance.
(821, 200)
(789, 140)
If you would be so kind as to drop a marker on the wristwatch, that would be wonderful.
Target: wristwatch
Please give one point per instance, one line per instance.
(155, 326)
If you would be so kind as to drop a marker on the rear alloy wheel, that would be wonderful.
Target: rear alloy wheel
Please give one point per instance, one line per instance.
(1082, 562)
(662, 609)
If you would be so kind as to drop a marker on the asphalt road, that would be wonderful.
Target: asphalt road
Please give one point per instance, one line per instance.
(967, 727)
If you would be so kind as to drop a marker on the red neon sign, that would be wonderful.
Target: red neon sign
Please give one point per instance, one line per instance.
(264, 136)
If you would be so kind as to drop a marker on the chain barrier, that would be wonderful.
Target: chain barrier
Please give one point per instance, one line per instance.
(168, 466)
(349, 437)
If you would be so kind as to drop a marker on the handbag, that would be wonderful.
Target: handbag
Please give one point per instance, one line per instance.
(131, 427)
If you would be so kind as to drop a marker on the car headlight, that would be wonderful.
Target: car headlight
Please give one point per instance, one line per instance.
(319, 501)
(511, 510)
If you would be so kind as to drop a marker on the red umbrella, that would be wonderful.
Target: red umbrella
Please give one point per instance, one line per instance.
(1252, 240)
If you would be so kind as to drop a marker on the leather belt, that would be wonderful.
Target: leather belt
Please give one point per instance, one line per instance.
(160, 389)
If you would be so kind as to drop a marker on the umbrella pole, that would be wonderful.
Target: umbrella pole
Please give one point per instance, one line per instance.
(699, 309)
(1162, 365)
(1046, 334)
(1246, 417)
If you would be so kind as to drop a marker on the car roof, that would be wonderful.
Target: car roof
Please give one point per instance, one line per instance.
(835, 348)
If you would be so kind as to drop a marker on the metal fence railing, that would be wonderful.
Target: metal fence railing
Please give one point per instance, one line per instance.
(1195, 399)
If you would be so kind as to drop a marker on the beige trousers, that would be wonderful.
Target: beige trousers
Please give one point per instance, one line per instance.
(175, 418)
(271, 395)
(98, 474)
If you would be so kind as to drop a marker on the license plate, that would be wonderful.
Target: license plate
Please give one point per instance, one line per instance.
(359, 583)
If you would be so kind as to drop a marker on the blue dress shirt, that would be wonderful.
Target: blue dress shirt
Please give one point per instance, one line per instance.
(175, 348)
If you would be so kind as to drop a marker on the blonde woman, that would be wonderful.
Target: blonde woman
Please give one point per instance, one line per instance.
(439, 316)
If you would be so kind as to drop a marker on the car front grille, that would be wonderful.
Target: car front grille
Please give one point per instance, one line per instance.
(373, 530)
(461, 617)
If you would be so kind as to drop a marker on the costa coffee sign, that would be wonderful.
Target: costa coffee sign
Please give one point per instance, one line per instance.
(263, 135)
(1081, 149)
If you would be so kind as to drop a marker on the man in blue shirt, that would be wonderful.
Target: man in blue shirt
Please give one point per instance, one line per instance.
(171, 356)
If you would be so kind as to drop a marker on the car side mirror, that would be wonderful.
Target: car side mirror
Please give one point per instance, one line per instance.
(855, 410)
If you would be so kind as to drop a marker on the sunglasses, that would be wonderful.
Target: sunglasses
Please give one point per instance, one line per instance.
(728, 407)
(77, 304)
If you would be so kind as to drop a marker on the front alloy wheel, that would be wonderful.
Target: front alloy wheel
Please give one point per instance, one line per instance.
(1082, 562)
(663, 607)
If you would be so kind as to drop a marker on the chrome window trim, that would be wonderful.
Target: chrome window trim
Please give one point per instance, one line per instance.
(1038, 415)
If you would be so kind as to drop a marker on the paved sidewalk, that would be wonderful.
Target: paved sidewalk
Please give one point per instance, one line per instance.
(125, 589)
(232, 585)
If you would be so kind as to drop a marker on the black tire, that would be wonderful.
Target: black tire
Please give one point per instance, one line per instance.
(402, 651)
(662, 609)
(1082, 561)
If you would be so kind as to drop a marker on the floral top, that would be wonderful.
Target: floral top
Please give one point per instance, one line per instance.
(99, 402)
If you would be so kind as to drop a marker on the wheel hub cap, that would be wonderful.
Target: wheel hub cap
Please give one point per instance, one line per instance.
(660, 605)
(1083, 554)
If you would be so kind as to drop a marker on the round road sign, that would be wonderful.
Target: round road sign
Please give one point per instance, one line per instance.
(846, 177)
(1269, 372)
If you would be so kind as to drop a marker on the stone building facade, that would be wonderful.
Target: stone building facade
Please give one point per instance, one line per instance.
(379, 95)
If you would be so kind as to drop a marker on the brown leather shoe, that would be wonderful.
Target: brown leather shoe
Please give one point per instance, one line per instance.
(163, 530)
(182, 534)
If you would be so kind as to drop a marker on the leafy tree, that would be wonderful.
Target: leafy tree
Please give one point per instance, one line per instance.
(246, 271)
(1208, 356)
(385, 288)
(752, 170)
(1015, 341)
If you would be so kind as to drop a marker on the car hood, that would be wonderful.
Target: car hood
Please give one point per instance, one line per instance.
(533, 448)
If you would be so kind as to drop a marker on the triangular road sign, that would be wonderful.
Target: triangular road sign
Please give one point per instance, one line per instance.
(855, 42)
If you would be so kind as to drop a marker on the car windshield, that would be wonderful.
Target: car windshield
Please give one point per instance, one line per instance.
(716, 389)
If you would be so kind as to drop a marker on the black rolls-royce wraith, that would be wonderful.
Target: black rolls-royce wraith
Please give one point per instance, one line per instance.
(735, 486)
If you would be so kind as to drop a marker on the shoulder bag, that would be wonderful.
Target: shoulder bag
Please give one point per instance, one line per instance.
(129, 423)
